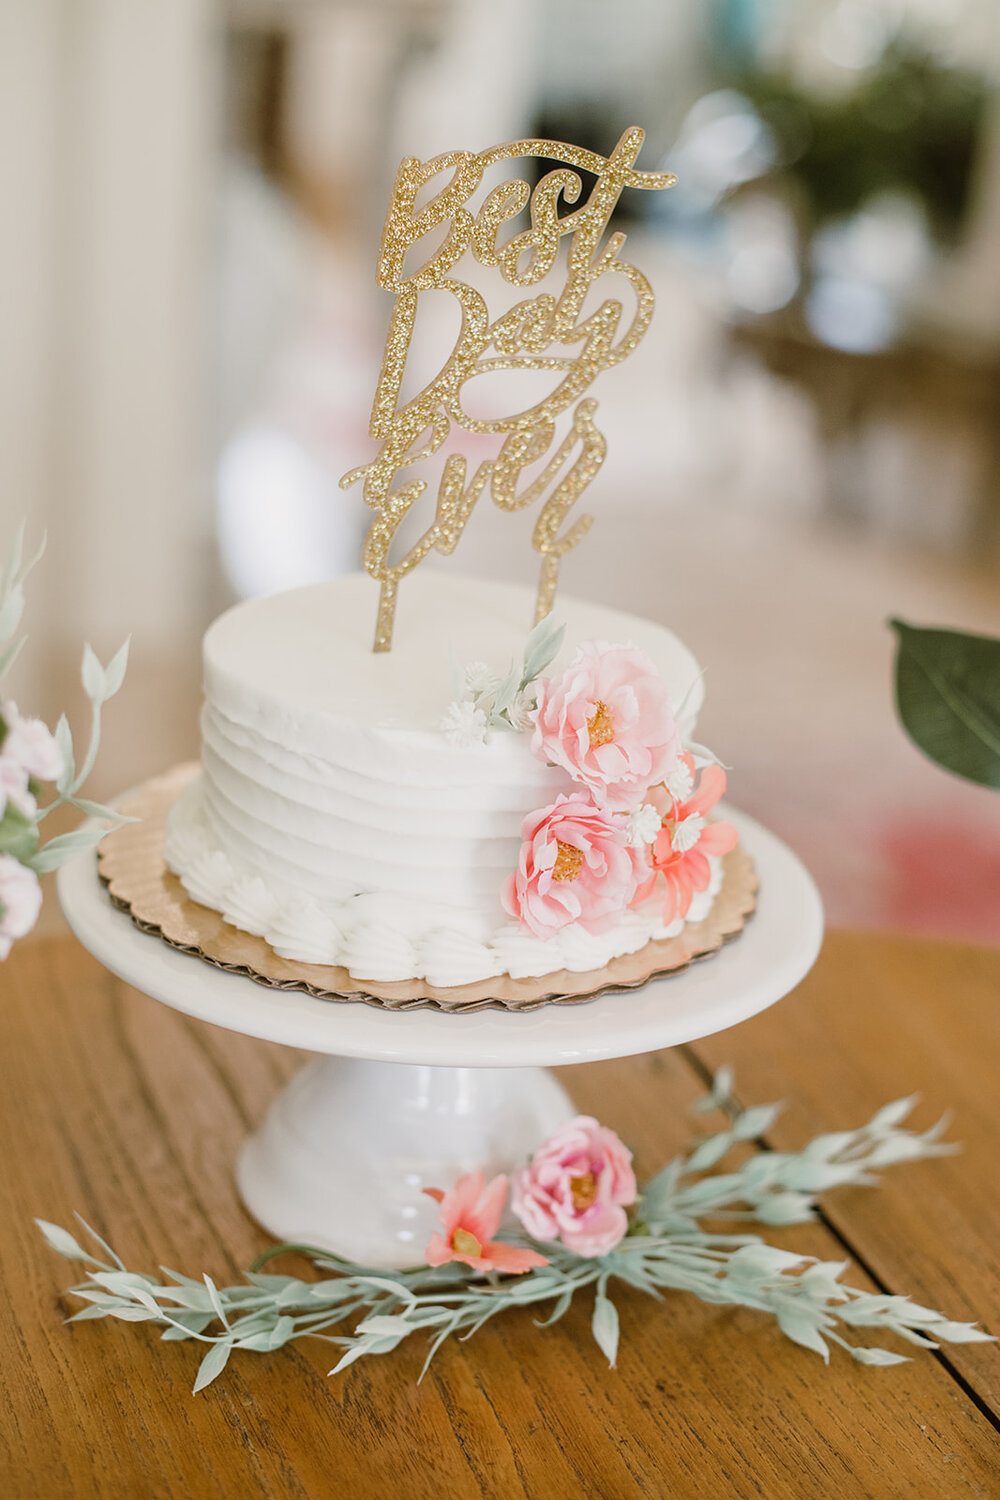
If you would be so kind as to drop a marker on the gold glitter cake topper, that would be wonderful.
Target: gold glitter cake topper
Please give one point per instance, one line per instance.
(534, 334)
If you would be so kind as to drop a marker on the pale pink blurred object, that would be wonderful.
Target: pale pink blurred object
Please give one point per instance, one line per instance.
(29, 744)
(576, 1188)
(681, 850)
(470, 1217)
(20, 901)
(576, 865)
(14, 788)
(607, 721)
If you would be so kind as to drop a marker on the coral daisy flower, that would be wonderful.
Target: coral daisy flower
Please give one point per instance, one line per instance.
(470, 1216)
(681, 851)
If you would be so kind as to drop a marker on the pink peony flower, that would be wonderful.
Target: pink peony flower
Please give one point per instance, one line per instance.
(576, 865)
(29, 744)
(20, 901)
(607, 721)
(470, 1216)
(576, 1188)
(681, 849)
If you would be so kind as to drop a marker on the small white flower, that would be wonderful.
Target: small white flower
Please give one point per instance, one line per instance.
(521, 711)
(30, 744)
(478, 678)
(680, 782)
(464, 724)
(643, 825)
(687, 833)
(14, 788)
(20, 901)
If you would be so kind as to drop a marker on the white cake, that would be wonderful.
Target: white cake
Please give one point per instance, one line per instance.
(334, 818)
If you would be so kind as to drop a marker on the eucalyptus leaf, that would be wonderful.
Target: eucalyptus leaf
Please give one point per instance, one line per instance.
(64, 741)
(948, 698)
(18, 835)
(212, 1365)
(877, 1356)
(92, 676)
(61, 1241)
(58, 850)
(604, 1326)
(9, 656)
(11, 610)
(541, 648)
(114, 672)
(801, 1329)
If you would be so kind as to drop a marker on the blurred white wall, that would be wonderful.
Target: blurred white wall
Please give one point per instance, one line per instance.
(108, 131)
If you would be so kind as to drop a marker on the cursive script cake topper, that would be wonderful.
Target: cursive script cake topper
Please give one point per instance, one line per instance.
(537, 333)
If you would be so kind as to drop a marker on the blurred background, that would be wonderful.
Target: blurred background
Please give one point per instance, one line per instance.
(806, 442)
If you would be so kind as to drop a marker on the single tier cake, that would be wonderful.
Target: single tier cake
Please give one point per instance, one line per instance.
(448, 811)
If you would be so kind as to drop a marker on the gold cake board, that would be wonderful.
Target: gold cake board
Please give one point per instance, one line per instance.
(131, 865)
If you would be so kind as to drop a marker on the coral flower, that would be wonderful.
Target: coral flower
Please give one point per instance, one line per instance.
(576, 1188)
(681, 850)
(607, 721)
(576, 865)
(470, 1216)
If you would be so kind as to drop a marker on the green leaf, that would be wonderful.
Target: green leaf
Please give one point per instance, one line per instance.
(114, 672)
(64, 740)
(58, 850)
(541, 647)
(604, 1326)
(948, 698)
(801, 1329)
(212, 1365)
(18, 835)
(878, 1357)
(61, 1241)
(10, 655)
(92, 676)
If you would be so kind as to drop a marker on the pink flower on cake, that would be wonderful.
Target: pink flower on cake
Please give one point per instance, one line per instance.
(576, 865)
(607, 721)
(576, 1188)
(681, 850)
(470, 1216)
(29, 744)
(20, 901)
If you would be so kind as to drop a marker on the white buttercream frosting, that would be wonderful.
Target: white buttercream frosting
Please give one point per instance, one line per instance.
(334, 818)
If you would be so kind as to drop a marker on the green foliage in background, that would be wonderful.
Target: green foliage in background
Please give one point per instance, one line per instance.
(910, 125)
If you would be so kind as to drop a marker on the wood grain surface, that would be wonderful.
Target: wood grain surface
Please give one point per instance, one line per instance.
(132, 1114)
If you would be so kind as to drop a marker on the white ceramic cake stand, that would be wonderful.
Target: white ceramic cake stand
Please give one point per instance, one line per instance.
(402, 1100)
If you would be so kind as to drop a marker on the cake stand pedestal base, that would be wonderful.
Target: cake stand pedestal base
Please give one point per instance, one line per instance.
(343, 1126)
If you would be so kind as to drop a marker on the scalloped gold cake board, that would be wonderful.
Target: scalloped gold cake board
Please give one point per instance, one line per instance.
(130, 862)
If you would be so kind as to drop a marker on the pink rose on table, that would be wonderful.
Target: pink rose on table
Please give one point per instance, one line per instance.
(607, 721)
(20, 901)
(470, 1217)
(576, 1188)
(576, 865)
(30, 745)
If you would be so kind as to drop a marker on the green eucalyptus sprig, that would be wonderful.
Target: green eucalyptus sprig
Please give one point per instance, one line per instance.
(20, 828)
(666, 1249)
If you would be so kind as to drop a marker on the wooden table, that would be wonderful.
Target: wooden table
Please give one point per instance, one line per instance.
(131, 1114)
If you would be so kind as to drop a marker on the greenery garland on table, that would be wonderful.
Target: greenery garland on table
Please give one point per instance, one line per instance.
(663, 1248)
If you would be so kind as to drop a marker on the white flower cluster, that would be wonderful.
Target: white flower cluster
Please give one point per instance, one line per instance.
(30, 755)
(484, 701)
